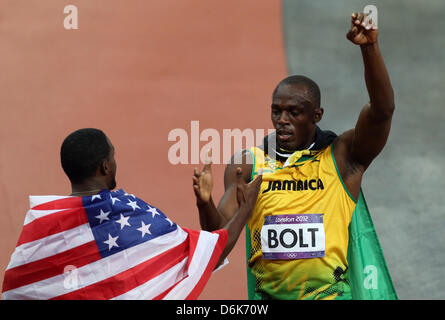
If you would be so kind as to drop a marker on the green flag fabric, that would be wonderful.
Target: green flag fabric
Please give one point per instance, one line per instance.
(368, 274)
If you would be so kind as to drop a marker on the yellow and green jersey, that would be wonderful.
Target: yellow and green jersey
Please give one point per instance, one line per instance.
(299, 227)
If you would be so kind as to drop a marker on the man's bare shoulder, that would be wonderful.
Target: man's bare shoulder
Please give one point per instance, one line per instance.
(342, 153)
(343, 141)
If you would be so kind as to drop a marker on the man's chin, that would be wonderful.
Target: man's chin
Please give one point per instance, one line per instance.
(286, 145)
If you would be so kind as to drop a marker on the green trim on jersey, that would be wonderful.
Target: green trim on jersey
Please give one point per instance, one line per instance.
(339, 175)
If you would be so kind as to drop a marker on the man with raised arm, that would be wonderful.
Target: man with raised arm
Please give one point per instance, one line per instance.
(311, 182)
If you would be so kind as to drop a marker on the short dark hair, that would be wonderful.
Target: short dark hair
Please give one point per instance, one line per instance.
(82, 152)
(310, 84)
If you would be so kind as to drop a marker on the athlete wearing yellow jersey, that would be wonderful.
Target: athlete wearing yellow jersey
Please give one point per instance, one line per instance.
(299, 226)
(311, 181)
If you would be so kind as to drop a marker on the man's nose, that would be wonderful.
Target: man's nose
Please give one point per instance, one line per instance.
(284, 118)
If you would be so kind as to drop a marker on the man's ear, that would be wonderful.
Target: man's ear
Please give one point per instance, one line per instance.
(104, 167)
(318, 115)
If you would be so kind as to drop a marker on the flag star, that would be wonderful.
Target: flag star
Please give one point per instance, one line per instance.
(103, 216)
(123, 221)
(111, 242)
(95, 196)
(133, 204)
(144, 229)
(129, 195)
(171, 223)
(153, 211)
(113, 200)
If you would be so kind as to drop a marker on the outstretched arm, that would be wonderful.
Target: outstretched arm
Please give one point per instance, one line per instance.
(245, 195)
(210, 217)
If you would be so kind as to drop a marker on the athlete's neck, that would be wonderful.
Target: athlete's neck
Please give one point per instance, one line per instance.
(88, 188)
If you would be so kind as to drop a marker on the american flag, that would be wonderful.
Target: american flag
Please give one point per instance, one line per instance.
(112, 245)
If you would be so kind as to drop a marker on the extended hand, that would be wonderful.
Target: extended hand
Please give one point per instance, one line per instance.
(203, 182)
(247, 193)
(363, 29)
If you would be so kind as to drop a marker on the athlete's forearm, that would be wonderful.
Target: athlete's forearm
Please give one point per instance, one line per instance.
(209, 216)
(234, 227)
(246, 197)
(378, 83)
(228, 203)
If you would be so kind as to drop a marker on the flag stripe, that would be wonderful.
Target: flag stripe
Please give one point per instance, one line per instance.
(32, 214)
(54, 202)
(130, 278)
(51, 245)
(169, 280)
(199, 268)
(52, 224)
(194, 238)
(155, 288)
(50, 266)
(166, 292)
(216, 254)
(101, 269)
(197, 264)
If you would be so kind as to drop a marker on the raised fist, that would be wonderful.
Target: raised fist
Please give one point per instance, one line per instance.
(363, 30)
